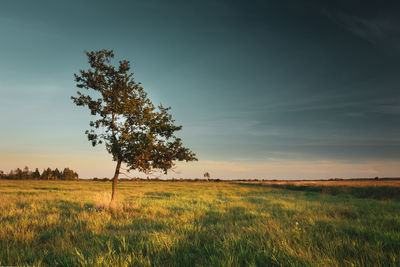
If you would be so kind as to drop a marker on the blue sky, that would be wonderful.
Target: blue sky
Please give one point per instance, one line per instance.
(263, 89)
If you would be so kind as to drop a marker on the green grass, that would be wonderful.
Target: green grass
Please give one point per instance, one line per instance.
(367, 191)
(189, 224)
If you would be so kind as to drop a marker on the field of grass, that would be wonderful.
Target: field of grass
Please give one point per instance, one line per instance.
(189, 224)
(375, 189)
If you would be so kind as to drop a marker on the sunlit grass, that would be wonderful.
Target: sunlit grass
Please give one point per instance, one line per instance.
(188, 224)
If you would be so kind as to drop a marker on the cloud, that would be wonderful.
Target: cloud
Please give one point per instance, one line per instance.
(382, 31)
(391, 109)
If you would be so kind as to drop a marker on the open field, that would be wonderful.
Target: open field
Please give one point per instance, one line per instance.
(351, 183)
(375, 189)
(188, 224)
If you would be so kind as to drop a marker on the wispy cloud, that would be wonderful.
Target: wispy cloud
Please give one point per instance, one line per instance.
(389, 106)
(382, 30)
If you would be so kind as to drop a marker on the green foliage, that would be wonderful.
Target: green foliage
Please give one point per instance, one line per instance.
(47, 174)
(68, 174)
(36, 174)
(134, 131)
(57, 174)
(192, 224)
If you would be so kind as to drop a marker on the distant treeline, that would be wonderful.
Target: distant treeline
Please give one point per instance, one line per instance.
(158, 179)
(47, 174)
(240, 180)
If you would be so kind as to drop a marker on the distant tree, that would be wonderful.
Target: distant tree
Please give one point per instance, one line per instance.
(134, 131)
(68, 174)
(47, 175)
(18, 174)
(11, 175)
(36, 174)
(44, 175)
(207, 176)
(26, 173)
(57, 174)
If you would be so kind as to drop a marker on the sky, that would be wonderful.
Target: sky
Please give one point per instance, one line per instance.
(263, 89)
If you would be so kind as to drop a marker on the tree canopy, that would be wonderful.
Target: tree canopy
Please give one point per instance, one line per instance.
(47, 174)
(135, 132)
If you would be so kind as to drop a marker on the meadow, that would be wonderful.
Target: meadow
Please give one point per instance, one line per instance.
(68, 223)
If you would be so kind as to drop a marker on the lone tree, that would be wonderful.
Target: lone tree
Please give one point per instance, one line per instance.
(134, 131)
(207, 176)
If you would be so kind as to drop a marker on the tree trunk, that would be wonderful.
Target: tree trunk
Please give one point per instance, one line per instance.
(114, 182)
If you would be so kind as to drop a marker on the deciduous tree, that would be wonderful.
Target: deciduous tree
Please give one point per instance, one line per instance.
(135, 132)
(207, 176)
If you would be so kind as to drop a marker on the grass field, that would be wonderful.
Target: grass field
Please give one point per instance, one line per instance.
(189, 224)
(375, 189)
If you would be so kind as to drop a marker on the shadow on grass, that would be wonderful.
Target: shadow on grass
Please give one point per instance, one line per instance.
(373, 192)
